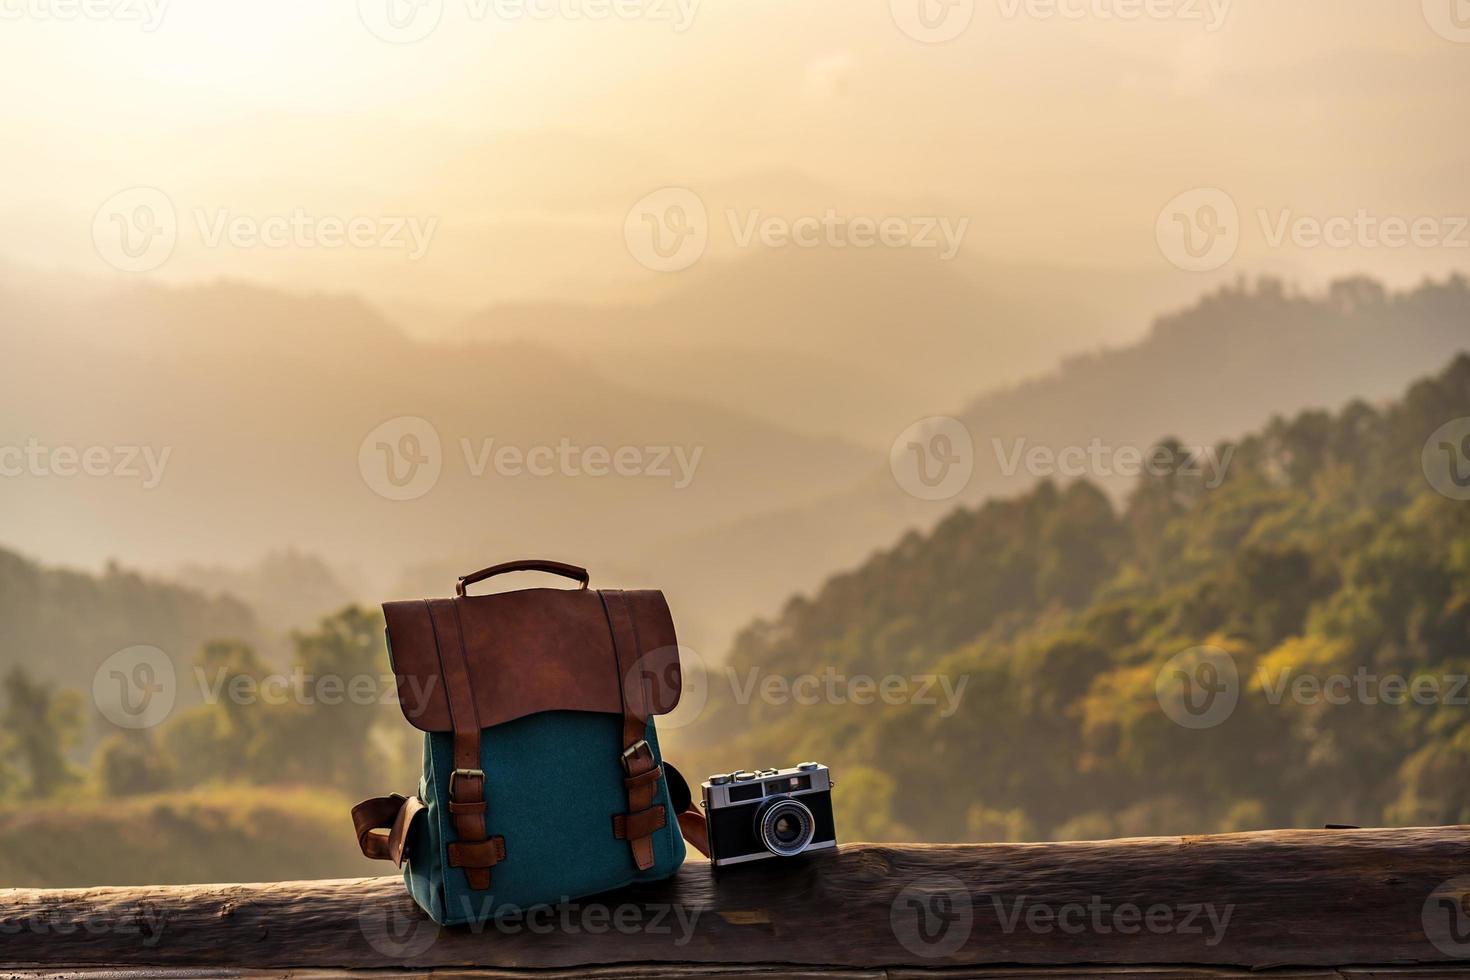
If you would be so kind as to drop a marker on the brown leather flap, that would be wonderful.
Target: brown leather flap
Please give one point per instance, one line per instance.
(531, 651)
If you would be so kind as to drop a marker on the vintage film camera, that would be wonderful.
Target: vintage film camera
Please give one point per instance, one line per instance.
(768, 813)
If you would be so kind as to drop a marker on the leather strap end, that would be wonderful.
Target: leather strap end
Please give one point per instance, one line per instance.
(640, 824)
(643, 778)
(480, 854)
(455, 809)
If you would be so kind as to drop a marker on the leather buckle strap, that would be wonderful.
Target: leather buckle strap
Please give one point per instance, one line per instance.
(467, 774)
(631, 826)
(477, 805)
(639, 751)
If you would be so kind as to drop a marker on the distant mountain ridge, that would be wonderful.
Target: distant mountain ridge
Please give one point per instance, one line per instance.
(831, 341)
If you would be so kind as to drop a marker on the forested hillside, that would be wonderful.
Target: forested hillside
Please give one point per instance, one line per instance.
(1223, 366)
(62, 624)
(1325, 554)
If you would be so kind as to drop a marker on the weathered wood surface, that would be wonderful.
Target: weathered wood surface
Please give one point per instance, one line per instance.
(1323, 899)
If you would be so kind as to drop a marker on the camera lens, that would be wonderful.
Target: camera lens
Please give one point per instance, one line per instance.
(785, 827)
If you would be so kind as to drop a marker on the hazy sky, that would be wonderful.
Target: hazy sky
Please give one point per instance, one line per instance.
(520, 132)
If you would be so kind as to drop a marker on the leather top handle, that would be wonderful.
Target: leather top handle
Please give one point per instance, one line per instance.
(524, 565)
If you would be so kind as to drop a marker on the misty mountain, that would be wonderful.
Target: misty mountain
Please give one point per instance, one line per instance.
(289, 590)
(227, 421)
(850, 342)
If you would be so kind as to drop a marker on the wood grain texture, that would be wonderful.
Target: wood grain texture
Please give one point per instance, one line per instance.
(1321, 899)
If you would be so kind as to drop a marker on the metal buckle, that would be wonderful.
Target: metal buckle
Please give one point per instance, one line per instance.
(632, 751)
(466, 773)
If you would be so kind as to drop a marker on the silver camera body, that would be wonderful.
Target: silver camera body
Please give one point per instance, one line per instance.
(765, 813)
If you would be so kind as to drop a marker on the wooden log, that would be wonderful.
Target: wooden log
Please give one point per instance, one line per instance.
(1322, 899)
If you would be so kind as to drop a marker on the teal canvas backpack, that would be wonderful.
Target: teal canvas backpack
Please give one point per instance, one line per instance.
(542, 776)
